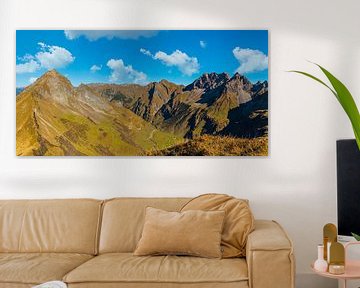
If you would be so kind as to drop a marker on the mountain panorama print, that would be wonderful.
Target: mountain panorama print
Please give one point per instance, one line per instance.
(142, 93)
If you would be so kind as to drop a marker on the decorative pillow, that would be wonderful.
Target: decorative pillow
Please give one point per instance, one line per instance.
(195, 233)
(238, 224)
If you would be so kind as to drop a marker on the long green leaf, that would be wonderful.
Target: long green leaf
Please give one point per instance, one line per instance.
(344, 97)
(346, 101)
(357, 237)
(316, 79)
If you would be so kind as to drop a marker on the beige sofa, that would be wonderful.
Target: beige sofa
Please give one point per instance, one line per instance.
(89, 243)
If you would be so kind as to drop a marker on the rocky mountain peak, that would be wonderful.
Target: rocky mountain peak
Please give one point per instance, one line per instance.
(240, 78)
(165, 82)
(53, 85)
(84, 87)
(259, 88)
(52, 77)
(52, 73)
(208, 81)
(238, 83)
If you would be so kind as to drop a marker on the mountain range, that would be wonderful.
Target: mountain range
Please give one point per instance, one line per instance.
(56, 118)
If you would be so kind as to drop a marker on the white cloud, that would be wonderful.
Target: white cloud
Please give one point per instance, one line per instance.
(27, 67)
(146, 52)
(95, 68)
(203, 44)
(250, 60)
(42, 45)
(49, 57)
(26, 58)
(125, 74)
(93, 35)
(52, 57)
(32, 79)
(186, 64)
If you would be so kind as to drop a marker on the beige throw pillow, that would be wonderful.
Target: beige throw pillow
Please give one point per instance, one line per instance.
(239, 220)
(195, 233)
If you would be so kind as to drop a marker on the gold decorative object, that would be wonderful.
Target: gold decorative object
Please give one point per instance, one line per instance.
(337, 258)
(336, 269)
(337, 254)
(330, 236)
(340, 266)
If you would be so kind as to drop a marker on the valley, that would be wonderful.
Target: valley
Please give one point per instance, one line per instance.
(55, 118)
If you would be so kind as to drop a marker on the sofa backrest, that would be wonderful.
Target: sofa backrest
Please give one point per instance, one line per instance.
(67, 226)
(123, 220)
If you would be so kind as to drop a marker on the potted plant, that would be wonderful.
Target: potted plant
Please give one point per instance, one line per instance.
(345, 99)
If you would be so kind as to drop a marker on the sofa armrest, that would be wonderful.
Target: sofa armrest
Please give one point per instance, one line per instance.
(269, 255)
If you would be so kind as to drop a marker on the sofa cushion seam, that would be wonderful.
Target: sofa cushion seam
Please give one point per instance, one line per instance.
(67, 273)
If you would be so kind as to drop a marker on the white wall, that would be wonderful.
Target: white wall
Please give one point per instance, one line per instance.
(295, 185)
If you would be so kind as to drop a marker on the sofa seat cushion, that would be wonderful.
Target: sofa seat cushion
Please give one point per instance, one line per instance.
(127, 268)
(36, 268)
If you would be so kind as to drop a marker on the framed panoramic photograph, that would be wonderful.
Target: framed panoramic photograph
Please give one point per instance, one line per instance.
(142, 93)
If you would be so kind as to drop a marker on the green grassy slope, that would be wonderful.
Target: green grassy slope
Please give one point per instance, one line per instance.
(78, 122)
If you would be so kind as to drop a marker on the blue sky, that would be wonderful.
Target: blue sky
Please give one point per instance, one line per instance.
(140, 56)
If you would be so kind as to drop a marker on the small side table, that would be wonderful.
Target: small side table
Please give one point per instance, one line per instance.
(352, 269)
